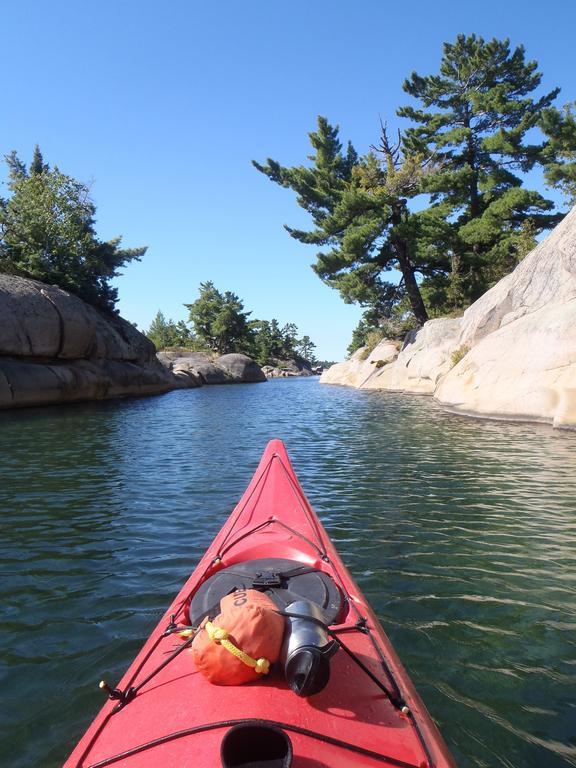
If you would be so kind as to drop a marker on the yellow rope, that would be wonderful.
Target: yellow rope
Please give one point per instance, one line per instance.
(220, 636)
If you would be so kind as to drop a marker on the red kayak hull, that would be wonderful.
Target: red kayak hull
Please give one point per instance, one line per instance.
(179, 719)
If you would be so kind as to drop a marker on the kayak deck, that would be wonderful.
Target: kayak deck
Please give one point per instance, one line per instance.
(369, 714)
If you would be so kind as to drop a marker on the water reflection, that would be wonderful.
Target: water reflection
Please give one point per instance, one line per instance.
(461, 532)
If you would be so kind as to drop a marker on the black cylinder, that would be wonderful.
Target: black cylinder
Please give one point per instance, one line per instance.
(307, 671)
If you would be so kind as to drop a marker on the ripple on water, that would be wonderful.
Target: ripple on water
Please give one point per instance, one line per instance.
(462, 533)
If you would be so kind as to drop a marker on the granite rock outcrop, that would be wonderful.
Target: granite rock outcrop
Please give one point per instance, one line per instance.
(55, 348)
(520, 340)
(511, 356)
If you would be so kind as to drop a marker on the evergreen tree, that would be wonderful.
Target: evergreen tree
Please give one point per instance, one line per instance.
(16, 169)
(47, 233)
(359, 335)
(160, 331)
(267, 344)
(474, 118)
(305, 347)
(183, 334)
(166, 333)
(220, 321)
(289, 337)
(37, 165)
(560, 151)
(359, 210)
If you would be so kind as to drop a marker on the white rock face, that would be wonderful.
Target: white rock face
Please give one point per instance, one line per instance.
(546, 276)
(417, 368)
(522, 335)
(356, 371)
(524, 370)
(521, 342)
(422, 361)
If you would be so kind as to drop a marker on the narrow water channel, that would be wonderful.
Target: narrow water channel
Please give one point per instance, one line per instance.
(462, 533)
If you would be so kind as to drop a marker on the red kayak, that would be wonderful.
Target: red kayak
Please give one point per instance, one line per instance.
(341, 701)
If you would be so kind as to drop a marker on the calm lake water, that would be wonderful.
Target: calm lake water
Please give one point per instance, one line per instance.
(462, 534)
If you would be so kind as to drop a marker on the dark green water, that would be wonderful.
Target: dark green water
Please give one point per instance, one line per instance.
(462, 534)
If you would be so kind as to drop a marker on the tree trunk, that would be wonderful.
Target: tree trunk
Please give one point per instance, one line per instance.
(412, 289)
(403, 253)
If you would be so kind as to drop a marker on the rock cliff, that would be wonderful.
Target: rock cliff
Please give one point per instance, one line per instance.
(55, 348)
(521, 337)
(512, 354)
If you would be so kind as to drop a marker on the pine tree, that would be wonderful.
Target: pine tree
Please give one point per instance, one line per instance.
(183, 334)
(560, 152)
(160, 332)
(359, 210)
(47, 233)
(289, 337)
(37, 165)
(474, 119)
(220, 321)
(305, 347)
(267, 341)
(16, 169)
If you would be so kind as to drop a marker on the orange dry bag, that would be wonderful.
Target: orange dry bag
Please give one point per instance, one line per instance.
(243, 640)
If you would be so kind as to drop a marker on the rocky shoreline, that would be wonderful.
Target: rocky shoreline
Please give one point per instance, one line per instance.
(511, 356)
(55, 348)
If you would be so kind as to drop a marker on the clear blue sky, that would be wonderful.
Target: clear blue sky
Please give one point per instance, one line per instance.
(162, 106)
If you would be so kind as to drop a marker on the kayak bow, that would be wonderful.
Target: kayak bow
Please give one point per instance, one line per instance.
(165, 713)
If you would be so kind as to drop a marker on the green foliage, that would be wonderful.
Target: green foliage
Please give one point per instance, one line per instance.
(474, 117)
(373, 338)
(219, 320)
(560, 152)
(459, 353)
(472, 139)
(368, 333)
(221, 325)
(359, 335)
(47, 233)
(38, 165)
(166, 333)
(359, 211)
(305, 347)
(272, 343)
(268, 342)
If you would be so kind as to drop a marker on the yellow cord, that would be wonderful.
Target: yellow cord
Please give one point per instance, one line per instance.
(220, 636)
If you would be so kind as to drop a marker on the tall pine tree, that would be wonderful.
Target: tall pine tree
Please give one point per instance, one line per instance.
(359, 211)
(560, 151)
(474, 117)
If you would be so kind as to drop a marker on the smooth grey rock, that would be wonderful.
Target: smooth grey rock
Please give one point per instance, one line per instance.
(169, 356)
(203, 370)
(38, 320)
(24, 383)
(55, 348)
(241, 368)
(297, 366)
